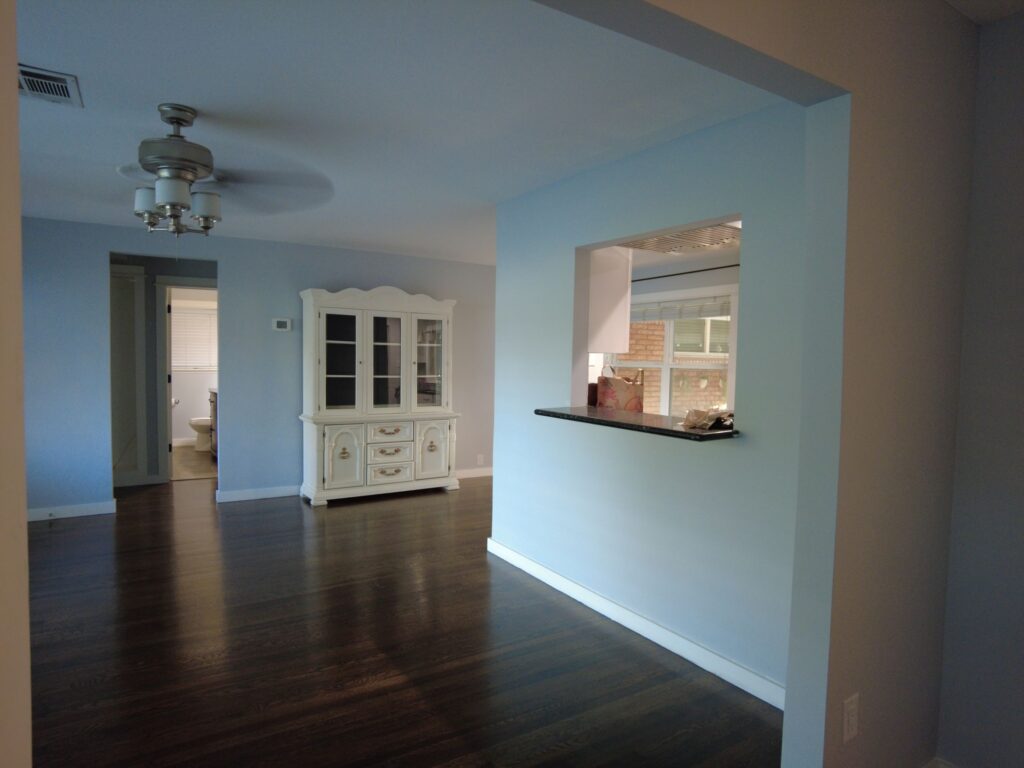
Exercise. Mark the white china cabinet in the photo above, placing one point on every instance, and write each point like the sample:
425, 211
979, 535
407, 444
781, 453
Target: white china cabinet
376, 393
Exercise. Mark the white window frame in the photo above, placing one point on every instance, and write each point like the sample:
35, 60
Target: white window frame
666, 365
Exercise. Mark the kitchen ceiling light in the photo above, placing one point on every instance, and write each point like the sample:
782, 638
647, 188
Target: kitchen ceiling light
177, 163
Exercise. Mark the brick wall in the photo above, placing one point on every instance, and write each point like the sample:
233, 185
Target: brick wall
646, 342
702, 389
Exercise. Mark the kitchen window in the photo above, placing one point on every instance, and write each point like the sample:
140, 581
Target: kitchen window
685, 344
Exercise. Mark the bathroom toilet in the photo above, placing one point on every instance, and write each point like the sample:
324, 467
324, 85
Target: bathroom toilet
201, 426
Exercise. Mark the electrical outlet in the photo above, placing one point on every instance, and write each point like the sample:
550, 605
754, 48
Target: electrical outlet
851, 726
479, 459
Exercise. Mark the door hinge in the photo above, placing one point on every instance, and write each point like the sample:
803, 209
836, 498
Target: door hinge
169, 448
168, 378
168, 309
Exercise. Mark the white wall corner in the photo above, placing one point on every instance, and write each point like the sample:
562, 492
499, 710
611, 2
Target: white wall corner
732, 672
251, 494
73, 510
462, 474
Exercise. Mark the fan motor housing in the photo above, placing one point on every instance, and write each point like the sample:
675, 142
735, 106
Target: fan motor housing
175, 157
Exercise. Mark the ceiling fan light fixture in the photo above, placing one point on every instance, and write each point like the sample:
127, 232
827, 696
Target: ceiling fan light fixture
173, 193
145, 200
205, 209
176, 163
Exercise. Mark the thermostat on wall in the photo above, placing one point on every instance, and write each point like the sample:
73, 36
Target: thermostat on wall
282, 323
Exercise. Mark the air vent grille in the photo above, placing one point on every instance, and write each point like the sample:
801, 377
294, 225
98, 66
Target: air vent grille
50, 86
715, 236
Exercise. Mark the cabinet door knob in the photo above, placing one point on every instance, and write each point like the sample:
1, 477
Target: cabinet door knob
432, 447
344, 454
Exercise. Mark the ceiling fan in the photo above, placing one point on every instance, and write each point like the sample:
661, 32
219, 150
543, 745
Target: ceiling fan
181, 179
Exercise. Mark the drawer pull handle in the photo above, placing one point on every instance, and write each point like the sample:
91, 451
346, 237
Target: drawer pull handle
390, 451
390, 472
386, 431
344, 454
432, 447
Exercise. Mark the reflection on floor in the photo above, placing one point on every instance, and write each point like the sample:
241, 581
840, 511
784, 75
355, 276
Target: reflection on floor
189, 464
380, 632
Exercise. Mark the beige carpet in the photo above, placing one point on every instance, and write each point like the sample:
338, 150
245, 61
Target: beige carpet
189, 464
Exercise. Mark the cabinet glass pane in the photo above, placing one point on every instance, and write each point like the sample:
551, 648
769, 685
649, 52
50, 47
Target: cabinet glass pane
387, 360
387, 330
428, 331
341, 359
428, 390
341, 327
387, 391
341, 392
428, 361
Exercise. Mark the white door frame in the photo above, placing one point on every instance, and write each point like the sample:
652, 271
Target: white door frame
163, 362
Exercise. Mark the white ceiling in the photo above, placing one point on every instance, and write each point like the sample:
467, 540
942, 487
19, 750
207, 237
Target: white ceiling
986, 11
403, 122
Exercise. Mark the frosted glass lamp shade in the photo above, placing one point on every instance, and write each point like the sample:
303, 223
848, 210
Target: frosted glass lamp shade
206, 205
172, 192
145, 200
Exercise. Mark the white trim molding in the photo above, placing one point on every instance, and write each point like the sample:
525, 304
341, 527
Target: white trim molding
462, 474
732, 672
179, 442
73, 510
251, 494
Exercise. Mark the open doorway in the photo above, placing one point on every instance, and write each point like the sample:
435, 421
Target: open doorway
192, 384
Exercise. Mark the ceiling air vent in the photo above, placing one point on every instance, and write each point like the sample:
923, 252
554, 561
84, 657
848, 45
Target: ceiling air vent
49, 86
715, 236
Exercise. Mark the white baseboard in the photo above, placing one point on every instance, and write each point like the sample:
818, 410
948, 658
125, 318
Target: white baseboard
249, 494
73, 510
180, 441
462, 474
727, 669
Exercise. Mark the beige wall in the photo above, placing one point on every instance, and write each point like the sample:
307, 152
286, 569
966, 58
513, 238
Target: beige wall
910, 69
15, 709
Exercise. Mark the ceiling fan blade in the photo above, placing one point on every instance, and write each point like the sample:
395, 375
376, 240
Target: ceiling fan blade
270, 191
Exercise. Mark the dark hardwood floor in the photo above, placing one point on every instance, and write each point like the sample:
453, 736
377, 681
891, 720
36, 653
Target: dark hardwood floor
369, 633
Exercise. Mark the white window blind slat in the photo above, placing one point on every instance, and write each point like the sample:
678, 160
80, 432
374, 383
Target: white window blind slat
194, 339
683, 309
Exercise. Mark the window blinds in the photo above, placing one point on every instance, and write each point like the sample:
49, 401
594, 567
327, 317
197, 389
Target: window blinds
194, 339
683, 309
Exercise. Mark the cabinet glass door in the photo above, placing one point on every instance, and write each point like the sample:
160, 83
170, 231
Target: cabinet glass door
386, 366
430, 371
340, 360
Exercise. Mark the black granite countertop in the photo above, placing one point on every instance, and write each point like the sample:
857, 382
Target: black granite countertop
639, 422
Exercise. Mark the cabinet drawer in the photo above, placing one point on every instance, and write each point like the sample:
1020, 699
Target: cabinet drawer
389, 453
389, 432
378, 474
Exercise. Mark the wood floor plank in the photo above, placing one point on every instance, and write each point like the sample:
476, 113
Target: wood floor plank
372, 632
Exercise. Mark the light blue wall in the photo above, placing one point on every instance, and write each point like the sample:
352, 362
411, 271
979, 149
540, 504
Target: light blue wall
982, 721
697, 537
67, 349
67, 371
